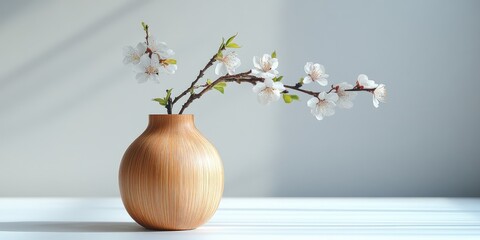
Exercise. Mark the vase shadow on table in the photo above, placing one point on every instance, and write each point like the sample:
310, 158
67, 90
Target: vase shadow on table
52, 226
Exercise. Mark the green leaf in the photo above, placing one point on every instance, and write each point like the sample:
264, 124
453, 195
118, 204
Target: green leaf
161, 101
209, 81
219, 54
231, 39
170, 61
221, 84
274, 54
220, 89
295, 97
277, 79
290, 98
164, 101
301, 80
287, 98
233, 45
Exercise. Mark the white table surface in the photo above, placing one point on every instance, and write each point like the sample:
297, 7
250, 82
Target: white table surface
250, 218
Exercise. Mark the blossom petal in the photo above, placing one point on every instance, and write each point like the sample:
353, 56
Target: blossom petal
344, 103
268, 82
155, 61
276, 95
266, 97
256, 72
322, 68
274, 63
279, 86
375, 102
333, 97
256, 63
317, 113
322, 81
308, 67
155, 78
319, 117
322, 95
144, 61
141, 48
127, 60
141, 77
265, 59
362, 78
329, 109
258, 87
170, 68
220, 69
312, 102
307, 79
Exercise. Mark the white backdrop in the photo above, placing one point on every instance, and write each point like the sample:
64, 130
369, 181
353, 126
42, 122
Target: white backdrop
69, 107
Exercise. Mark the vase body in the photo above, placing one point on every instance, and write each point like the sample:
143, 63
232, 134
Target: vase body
171, 177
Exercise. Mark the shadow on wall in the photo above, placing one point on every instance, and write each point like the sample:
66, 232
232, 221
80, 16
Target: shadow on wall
39, 88
8, 9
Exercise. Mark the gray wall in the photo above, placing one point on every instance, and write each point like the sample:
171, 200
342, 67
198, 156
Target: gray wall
69, 107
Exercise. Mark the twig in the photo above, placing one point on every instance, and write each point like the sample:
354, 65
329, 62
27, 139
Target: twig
296, 87
200, 75
239, 78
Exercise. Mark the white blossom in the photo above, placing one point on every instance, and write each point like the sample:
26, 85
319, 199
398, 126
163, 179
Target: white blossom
168, 68
227, 64
265, 67
148, 69
344, 98
364, 82
323, 105
379, 95
268, 91
133, 55
315, 73
160, 47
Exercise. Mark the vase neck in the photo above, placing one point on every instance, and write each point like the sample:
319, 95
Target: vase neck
171, 121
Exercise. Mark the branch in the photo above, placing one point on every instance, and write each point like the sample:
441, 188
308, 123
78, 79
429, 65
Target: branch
360, 89
297, 87
315, 94
238, 78
245, 77
200, 75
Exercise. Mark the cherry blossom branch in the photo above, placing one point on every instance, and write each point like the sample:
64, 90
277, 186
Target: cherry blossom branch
200, 75
297, 87
245, 77
223, 46
360, 90
239, 78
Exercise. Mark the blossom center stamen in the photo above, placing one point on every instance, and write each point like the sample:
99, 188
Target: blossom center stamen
150, 70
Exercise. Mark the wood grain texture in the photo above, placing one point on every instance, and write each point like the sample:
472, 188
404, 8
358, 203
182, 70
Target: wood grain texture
171, 177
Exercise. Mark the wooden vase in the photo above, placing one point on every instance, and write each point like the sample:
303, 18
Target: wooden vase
171, 177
